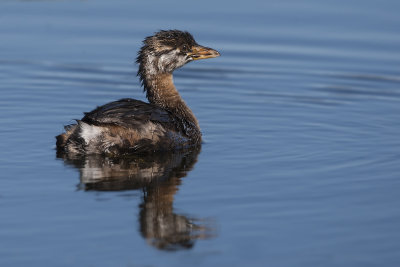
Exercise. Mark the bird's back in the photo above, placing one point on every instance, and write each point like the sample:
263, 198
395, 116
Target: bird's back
127, 126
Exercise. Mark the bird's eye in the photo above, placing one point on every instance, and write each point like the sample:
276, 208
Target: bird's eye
185, 48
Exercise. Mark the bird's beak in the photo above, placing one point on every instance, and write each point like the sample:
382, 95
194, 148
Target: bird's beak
201, 52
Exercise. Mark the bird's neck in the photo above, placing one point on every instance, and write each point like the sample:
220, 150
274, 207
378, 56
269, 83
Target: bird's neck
162, 92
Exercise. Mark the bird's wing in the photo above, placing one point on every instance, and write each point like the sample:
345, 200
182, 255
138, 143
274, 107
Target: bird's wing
128, 113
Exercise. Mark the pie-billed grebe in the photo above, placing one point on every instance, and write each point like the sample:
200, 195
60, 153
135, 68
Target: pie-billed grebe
132, 126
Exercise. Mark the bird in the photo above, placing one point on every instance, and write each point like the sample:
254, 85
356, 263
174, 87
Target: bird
130, 126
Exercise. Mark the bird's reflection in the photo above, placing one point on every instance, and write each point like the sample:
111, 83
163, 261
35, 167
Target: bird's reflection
158, 176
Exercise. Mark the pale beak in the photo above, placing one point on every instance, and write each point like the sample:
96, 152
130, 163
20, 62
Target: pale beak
201, 52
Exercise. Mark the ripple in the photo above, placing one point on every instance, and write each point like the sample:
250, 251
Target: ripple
300, 117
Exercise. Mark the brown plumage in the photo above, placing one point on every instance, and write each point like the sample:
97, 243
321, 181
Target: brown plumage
132, 126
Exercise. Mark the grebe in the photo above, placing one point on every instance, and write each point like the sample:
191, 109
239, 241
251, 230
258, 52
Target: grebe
132, 126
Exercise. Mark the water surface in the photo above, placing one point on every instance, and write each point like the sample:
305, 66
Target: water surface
300, 116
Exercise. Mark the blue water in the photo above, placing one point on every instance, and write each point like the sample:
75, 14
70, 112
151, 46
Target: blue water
300, 116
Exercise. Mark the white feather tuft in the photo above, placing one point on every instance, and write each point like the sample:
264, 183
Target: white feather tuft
89, 132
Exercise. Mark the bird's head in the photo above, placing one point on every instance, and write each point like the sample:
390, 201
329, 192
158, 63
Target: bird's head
166, 51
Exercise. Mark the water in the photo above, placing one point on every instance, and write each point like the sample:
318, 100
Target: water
300, 116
